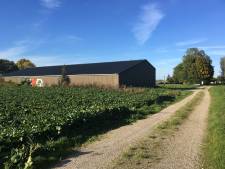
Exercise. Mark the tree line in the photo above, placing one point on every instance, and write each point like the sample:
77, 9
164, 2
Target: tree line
7, 66
196, 67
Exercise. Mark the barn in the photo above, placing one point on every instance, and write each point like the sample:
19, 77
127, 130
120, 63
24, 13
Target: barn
135, 73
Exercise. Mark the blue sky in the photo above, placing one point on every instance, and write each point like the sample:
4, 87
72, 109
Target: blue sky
52, 32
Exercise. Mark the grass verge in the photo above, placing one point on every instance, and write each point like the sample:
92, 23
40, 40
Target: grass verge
214, 148
178, 86
149, 150
181, 114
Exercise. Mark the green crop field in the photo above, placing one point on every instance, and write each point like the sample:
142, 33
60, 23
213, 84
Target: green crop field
38, 125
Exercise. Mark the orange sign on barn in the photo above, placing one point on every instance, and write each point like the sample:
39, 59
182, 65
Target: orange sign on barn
33, 82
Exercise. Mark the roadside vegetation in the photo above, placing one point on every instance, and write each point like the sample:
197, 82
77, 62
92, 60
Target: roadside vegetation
41, 125
148, 151
214, 148
221, 78
179, 86
181, 114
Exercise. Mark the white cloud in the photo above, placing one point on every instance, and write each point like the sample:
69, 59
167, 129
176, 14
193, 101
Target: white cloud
13, 52
190, 42
31, 43
20, 48
212, 47
40, 60
149, 19
52, 60
51, 4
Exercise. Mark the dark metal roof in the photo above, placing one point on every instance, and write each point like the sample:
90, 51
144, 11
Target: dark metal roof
91, 68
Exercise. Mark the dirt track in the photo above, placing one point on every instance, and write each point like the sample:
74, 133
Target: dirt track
100, 153
182, 151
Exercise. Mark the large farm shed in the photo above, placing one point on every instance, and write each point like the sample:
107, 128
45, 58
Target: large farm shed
136, 73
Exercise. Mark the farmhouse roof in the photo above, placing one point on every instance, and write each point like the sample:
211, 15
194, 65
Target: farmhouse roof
90, 68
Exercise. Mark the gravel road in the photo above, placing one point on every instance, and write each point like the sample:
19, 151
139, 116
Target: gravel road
100, 153
182, 151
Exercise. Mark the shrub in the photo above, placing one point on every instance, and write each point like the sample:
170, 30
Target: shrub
25, 82
64, 80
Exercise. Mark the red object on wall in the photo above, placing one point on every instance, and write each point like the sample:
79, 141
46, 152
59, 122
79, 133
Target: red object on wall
33, 82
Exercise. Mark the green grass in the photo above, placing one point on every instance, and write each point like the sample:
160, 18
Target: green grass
214, 149
178, 86
181, 114
42, 125
147, 152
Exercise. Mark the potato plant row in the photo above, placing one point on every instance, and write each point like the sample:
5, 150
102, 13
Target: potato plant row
27, 114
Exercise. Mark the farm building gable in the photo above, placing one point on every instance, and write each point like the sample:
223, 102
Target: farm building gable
114, 74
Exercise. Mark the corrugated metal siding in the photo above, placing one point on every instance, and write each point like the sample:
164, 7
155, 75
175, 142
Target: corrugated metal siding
111, 80
78, 69
141, 75
96, 80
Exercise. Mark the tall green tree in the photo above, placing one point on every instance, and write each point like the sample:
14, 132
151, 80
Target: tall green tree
204, 68
179, 74
7, 66
222, 66
195, 67
24, 64
190, 69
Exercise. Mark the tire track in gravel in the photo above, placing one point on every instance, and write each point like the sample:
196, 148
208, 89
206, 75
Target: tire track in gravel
183, 150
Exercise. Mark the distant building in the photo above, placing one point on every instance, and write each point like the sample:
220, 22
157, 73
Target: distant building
136, 73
